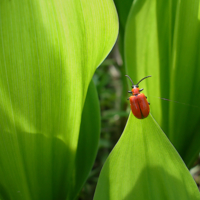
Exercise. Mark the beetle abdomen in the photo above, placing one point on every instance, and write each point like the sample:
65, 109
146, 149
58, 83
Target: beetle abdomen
139, 106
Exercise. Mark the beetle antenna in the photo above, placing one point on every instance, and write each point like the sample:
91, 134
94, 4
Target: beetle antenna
130, 79
143, 79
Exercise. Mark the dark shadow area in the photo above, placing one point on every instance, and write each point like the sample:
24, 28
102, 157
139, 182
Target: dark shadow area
88, 140
4, 193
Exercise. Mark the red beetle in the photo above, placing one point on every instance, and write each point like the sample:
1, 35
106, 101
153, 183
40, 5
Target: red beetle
138, 102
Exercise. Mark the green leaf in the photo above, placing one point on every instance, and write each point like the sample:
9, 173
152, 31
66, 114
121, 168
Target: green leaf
162, 40
145, 165
88, 138
123, 8
49, 51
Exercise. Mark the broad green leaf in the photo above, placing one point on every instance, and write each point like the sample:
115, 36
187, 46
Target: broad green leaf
49, 51
162, 40
145, 166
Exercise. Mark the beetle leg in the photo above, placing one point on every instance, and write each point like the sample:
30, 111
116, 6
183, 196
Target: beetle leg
148, 103
130, 92
128, 99
141, 89
146, 97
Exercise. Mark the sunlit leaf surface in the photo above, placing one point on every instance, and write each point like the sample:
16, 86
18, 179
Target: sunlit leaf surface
145, 166
49, 51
